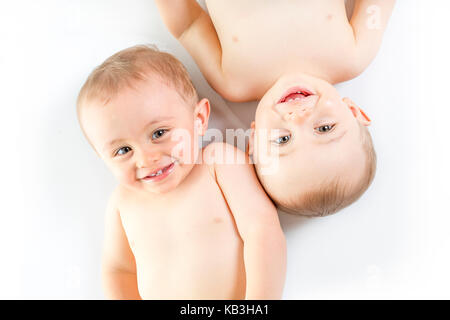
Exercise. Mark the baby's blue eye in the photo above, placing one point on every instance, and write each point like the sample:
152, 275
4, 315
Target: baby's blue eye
158, 133
283, 139
123, 151
325, 128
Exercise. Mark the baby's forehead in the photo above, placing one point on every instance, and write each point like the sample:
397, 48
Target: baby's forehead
129, 114
151, 99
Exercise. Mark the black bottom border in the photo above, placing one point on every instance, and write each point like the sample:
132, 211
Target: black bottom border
218, 309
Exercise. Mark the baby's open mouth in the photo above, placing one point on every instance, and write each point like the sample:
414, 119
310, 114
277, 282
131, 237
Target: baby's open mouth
295, 94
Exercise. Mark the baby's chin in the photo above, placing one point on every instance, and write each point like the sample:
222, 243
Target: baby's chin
145, 187
158, 189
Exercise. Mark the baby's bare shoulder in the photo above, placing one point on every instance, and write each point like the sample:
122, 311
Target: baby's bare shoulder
122, 196
118, 194
219, 153
223, 153
113, 199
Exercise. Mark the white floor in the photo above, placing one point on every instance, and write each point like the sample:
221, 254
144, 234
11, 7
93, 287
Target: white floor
393, 243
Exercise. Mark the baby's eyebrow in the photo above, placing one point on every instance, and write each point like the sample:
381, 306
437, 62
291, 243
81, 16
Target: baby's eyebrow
111, 143
155, 121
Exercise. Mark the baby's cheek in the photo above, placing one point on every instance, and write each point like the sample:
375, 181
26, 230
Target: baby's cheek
184, 150
178, 151
124, 175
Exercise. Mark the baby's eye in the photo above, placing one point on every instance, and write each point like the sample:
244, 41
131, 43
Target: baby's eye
324, 129
122, 151
159, 133
283, 139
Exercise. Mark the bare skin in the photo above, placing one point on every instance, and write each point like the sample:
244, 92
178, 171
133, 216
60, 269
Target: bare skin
244, 47
187, 233
184, 249
296, 49
288, 54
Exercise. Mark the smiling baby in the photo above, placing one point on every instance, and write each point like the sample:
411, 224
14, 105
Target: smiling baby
177, 226
288, 54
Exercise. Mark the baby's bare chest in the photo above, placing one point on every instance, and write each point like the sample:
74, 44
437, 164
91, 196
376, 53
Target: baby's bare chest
262, 40
192, 222
185, 246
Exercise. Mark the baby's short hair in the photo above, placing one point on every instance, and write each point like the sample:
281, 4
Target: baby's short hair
127, 67
334, 195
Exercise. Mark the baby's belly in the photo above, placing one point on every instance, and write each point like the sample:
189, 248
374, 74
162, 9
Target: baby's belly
209, 271
196, 268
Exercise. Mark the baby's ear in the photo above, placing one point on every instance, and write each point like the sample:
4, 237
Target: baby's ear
251, 139
202, 110
358, 113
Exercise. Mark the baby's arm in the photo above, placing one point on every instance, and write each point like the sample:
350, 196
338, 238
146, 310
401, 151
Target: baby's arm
256, 220
192, 26
118, 264
369, 20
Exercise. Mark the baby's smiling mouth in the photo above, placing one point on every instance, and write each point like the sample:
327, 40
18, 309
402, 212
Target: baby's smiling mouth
295, 94
160, 173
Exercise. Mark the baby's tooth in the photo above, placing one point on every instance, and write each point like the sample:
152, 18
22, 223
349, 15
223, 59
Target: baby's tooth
159, 172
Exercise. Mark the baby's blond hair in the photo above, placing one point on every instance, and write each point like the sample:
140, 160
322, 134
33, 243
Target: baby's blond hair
126, 68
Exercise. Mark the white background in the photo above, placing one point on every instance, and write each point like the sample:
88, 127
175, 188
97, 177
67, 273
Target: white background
393, 243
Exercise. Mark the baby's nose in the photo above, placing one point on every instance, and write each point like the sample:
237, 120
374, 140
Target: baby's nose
147, 158
297, 113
